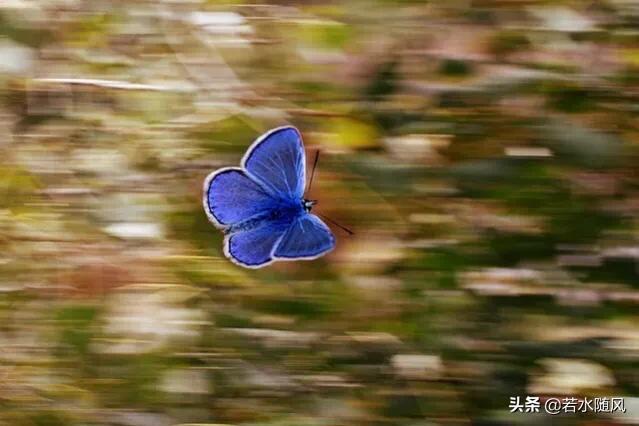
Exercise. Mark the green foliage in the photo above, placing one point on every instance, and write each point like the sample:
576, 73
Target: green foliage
571, 99
455, 68
21, 32
329, 35
76, 327
384, 81
506, 42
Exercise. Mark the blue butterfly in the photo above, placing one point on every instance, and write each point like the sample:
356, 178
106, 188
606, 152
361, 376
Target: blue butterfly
260, 206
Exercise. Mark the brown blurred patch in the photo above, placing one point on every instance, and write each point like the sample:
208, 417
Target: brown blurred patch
93, 279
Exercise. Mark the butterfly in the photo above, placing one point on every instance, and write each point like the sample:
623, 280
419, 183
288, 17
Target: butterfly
260, 206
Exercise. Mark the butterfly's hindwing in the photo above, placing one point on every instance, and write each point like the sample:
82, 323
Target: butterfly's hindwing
307, 237
253, 248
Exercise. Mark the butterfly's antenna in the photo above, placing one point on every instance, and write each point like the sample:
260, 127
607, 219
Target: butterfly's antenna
310, 182
336, 224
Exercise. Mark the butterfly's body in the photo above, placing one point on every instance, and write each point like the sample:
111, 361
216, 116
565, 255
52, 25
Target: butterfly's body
261, 208
284, 213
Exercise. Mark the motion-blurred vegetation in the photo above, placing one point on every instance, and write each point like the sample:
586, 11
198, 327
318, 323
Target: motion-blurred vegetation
485, 152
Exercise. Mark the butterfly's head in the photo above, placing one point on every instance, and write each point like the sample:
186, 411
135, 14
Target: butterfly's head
308, 204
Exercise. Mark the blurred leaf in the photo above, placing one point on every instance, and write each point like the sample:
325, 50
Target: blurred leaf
22, 33
507, 42
384, 82
352, 133
581, 145
325, 34
455, 68
572, 99
17, 187
76, 326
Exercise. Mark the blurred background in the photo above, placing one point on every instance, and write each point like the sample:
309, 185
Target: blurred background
484, 152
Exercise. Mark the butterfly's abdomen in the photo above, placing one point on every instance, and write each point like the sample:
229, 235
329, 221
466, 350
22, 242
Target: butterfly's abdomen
285, 214
246, 225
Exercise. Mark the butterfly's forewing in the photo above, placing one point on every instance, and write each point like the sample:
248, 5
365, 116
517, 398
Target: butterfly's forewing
230, 197
306, 238
277, 160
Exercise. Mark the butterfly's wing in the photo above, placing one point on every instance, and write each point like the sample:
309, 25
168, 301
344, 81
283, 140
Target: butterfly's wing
233, 199
303, 237
231, 196
253, 248
278, 162
306, 238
